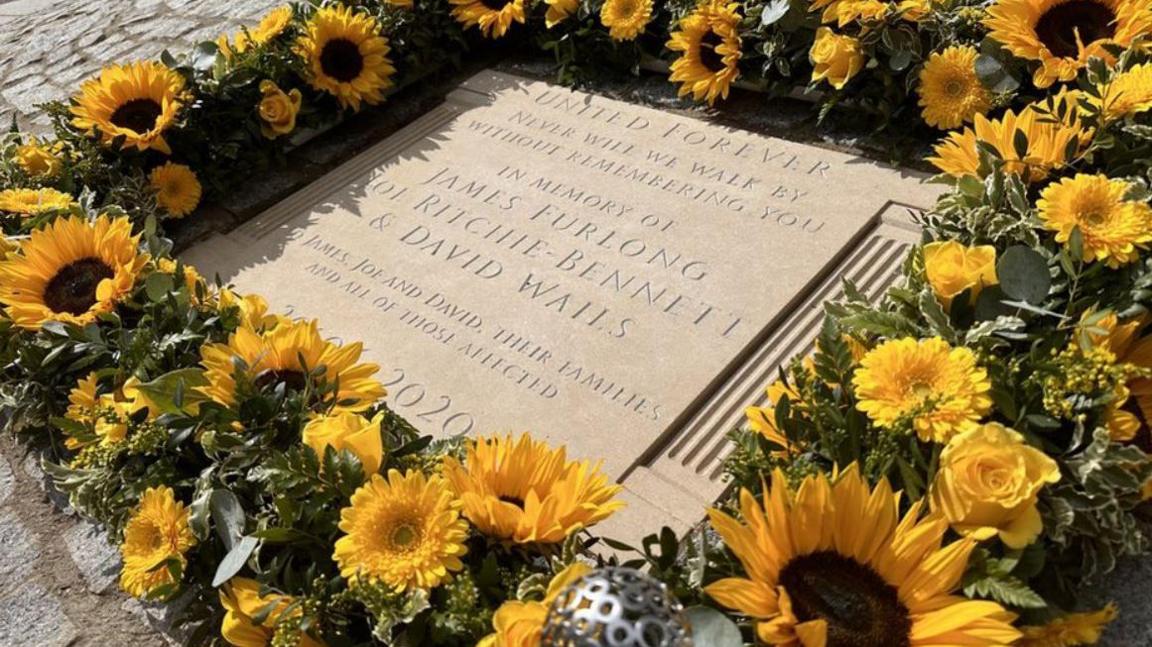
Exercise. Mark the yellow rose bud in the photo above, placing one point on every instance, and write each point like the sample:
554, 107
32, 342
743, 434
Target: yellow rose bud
278, 110
836, 58
988, 482
348, 431
952, 268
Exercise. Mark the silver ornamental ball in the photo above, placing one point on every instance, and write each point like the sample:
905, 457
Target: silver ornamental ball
616, 607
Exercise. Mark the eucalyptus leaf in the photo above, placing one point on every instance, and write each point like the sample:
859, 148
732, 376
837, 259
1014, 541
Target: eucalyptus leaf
713, 628
1023, 274
228, 515
773, 11
234, 560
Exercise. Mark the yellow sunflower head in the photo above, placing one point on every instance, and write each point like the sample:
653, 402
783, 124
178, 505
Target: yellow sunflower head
346, 56
492, 17
763, 419
288, 355
1069, 629
521, 490
243, 604
404, 531
1128, 93
72, 271
1050, 140
33, 202
520, 624
1129, 344
950, 92
156, 534
40, 159
348, 431
708, 40
136, 102
104, 415
1061, 35
833, 563
626, 19
177, 188
1114, 230
937, 389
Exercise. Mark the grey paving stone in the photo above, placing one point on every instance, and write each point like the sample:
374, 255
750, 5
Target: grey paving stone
98, 560
7, 478
18, 551
32, 615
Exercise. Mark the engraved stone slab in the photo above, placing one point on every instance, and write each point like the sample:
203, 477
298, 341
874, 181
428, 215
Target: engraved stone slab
526, 257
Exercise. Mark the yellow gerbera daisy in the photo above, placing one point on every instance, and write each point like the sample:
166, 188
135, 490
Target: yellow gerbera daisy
1129, 93
346, 56
626, 19
708, 40
1049, 141
1063, 34
72, 270
39, 159
519, 624
404, 531
492, 17
177, 189
833, 563
156, 533
1114, 230
950, 92
521, 490
939, 389
31, 202
243, 603
287, 355
137, 102
1069, 630
1127, 343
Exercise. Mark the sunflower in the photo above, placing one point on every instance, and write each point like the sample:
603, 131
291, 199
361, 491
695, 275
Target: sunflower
1114, 230
404, 531
950, 92
559, 10
136, 102
346, 56
832, 563
250, 619
177, 188
522, 491
1069, 630
157, 534
936, 387
844, 12
105, 415
270, 26
709, 42
289, 354
1049, 140
519, 623
763, 419
626, 19
1129, 93
32, 202
493, 17
1063, 34
72, 271
1125, 343
39, 159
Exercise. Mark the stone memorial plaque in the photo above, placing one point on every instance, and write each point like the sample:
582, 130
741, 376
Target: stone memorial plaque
607, 276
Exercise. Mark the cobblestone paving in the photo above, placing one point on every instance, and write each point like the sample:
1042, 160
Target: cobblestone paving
57, 573
48, 46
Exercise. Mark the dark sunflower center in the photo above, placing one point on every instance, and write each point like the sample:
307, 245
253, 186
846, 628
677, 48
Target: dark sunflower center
73, 289
341, 60
290, 378
709, 57
138, 115
516, 501
861, 609
495, 5
1059, 26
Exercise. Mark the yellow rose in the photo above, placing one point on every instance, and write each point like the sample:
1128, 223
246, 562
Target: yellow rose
987, 485
952, 268
348, 431
836, 58
278, 110
519, 624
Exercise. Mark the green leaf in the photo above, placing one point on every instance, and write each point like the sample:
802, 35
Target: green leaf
1023, 274
228, 515
773, 11
157, 286
234, 560
713, 628
162, 390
